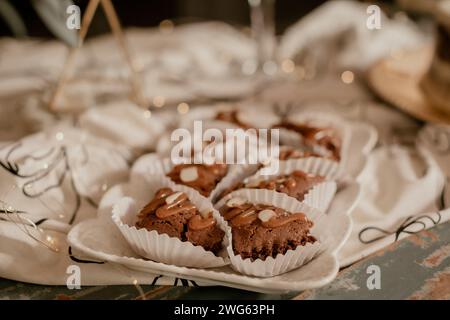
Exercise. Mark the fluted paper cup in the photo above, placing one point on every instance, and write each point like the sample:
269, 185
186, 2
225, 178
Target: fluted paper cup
161, 247
319, 196
292, 259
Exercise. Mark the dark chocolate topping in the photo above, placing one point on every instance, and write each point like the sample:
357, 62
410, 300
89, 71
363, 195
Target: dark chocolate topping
260, 231
248, 213
201, 177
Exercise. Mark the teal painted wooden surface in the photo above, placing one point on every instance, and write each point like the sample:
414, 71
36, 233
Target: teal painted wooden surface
417, 267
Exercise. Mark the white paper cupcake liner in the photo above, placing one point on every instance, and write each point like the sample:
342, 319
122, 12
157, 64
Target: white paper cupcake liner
161, 247
319, 196
236, 173
293, 259
327, 168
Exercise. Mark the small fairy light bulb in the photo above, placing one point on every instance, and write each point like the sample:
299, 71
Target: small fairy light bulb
135, 282
347, 77
183, 108
59, 136
166, 26
61, 216
45, 166
52, 242
288, 66
147, 114
159, 101
104, 187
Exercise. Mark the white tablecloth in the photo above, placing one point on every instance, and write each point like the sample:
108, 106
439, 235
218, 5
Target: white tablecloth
56, 169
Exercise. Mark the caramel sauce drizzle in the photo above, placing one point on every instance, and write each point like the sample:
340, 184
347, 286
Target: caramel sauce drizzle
229, 215
197, 222
245, 218
248, 213
182, 203
281, 221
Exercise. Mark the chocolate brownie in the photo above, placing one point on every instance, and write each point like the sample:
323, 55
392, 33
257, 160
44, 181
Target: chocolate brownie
172, 213
260, 231
201, 177
323, 141
296, 184
231, 117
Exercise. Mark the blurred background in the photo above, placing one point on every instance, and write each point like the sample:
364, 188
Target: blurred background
150, 13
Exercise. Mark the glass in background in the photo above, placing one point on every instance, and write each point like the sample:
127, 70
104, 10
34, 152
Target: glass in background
262, 16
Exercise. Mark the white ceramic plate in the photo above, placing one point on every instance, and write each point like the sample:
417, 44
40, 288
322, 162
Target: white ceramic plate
100, 239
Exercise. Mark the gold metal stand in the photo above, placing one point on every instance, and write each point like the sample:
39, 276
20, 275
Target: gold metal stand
116, 28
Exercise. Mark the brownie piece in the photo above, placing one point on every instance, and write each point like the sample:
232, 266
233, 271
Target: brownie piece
260, 231
172, 213
231, 117
313, 137
296, 184
201, 177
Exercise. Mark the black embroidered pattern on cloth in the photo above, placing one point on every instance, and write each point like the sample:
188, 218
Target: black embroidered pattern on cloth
59, 158
403, 228
153, 282
185, 283
78, 260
